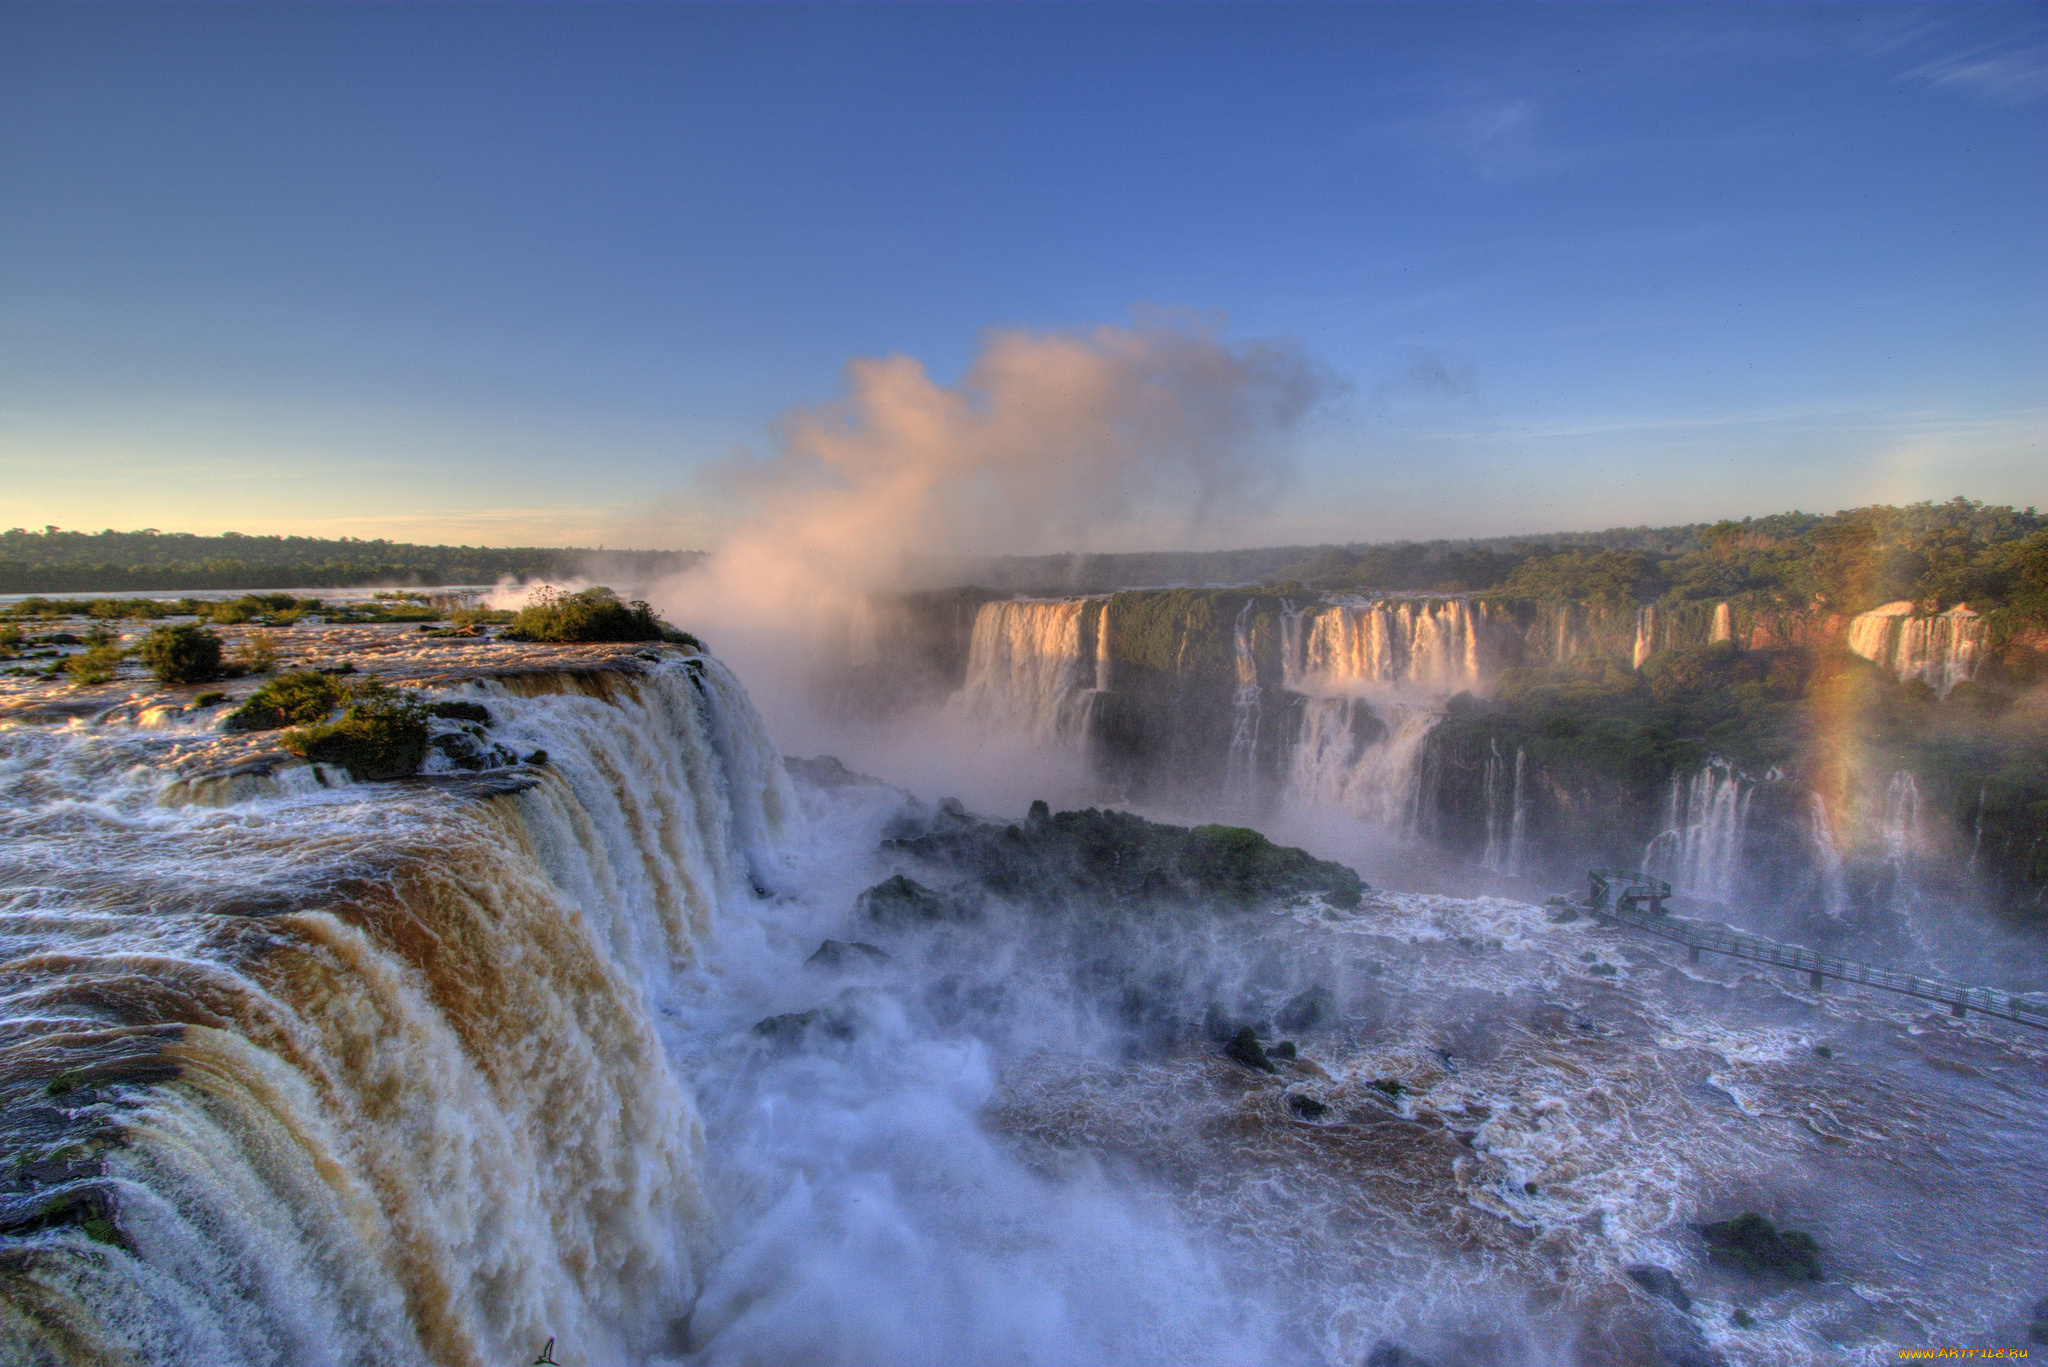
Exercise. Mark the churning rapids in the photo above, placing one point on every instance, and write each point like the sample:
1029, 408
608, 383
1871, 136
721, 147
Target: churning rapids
300, 1071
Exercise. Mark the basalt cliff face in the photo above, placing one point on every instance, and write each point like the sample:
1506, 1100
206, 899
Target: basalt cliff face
1707, 742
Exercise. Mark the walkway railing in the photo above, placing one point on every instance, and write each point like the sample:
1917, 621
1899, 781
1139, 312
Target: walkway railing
1819, 967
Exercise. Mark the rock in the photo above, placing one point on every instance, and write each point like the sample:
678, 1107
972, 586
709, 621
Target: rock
1388, 1086
1751, 1244
1306, 1107
1244, 1048
1284, 1049
789, 1031
899, 901
1662, 1283
840, 955
461, 711
1306, 1012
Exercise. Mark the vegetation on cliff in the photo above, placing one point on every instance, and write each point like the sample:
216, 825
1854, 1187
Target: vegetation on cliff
595, 614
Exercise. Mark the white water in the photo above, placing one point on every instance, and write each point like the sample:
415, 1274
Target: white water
490, 1079
1241, 768
421, 1111
1410, 647
1941, 650
1030, 673
1706, 825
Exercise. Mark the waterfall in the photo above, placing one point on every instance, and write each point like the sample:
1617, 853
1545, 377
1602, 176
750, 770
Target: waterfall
1827, 856
1706, 820
1518, 828
1902, 829
1496, 844
1029, 671
1350, 757
1724, 625
1646, 636
1240, 770
368, 1073
1941, 650
1427, 647
1976, 832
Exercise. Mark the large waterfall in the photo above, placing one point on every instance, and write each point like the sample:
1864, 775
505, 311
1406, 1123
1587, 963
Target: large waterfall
1941, 650
1032, 670
367, 1074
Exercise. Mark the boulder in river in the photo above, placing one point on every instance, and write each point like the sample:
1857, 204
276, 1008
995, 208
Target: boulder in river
1244, 1047
1306, 1012
1751, 1244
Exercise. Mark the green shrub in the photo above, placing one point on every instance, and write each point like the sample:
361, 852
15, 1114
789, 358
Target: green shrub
182, 654
595, 614
480, 617
301, 698
95, 666
381, 737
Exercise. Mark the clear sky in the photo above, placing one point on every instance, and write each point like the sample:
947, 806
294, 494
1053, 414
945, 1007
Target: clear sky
519, 274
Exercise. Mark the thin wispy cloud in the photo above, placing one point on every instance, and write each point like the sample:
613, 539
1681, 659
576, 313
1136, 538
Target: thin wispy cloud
2010, 77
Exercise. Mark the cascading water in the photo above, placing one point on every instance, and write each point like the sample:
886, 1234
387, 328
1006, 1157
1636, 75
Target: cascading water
1941, 650
1240, 770
1029, 671
1827, 856
1426, 647
1706, 819
367, 1074
1646, 636
1507, 810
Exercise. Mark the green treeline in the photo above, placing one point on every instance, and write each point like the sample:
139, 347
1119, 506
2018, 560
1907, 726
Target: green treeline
55, 561
1993, 558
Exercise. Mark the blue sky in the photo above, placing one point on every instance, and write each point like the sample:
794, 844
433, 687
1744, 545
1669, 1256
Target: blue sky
518, 274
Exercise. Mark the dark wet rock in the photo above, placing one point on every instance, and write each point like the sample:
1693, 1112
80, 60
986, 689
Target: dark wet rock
1307, 1012
1389, 1354
793, 1029
901, 901
1306, 1107
1662, 1283
955, 1001
91, 1208
460, 710
840, 955
471, 753
825, 772
1095, 861
1751, 1244
1284, 1049
1244, 1048
538, 759
1388, 1086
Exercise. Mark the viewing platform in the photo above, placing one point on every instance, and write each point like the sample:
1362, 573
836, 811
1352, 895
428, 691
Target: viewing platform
1640, 905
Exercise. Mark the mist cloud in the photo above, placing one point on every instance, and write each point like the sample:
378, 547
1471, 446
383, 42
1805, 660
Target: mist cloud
1047, 441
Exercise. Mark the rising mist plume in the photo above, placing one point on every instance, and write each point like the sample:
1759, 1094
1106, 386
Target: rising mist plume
1048, 440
